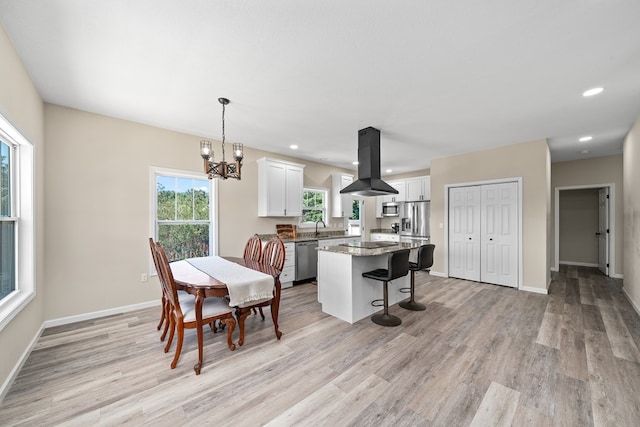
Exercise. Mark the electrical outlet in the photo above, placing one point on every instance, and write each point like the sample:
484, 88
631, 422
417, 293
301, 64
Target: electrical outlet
144, 277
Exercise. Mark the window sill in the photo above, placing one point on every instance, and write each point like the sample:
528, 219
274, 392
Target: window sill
12, 305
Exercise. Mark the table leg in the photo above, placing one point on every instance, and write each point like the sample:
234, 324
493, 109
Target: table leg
241, 314
275, 309
199, 300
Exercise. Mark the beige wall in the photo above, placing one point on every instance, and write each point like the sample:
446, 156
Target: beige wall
631, 201
578, 220
529, 160
21, 105
588, 172
98, 209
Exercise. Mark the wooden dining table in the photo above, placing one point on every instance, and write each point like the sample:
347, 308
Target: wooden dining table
202, 285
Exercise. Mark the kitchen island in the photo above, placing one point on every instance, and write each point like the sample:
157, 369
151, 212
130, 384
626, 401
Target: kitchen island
342, 290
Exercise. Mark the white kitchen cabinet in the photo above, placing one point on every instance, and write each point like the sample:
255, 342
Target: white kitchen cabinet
340, 203
385, 237
279, 187
418, 189
379, 200
400, 197
288, 274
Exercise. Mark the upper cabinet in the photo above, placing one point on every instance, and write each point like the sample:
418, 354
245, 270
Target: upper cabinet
418, 188
280, 186
340, 203
409, 190
400, 197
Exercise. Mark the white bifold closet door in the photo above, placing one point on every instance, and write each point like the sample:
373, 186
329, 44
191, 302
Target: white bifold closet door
499, 234
464, 232
483, 233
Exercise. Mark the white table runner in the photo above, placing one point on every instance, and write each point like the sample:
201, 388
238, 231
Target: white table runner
244, 284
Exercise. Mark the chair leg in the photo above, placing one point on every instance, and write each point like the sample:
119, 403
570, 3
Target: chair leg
180, 328
162, 317
412, 304
261, 312
167, 315
384, 318
171, 323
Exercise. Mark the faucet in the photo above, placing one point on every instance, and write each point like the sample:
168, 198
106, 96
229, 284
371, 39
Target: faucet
325, 226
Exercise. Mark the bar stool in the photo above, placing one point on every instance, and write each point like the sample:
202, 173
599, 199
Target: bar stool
423, 262
398, 267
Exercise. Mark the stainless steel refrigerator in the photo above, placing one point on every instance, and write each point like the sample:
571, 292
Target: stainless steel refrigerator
415, 219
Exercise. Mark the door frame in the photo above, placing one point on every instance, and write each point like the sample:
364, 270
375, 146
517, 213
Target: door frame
518, 180
612, 224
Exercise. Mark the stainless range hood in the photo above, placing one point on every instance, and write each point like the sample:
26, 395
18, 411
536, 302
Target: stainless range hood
369, 182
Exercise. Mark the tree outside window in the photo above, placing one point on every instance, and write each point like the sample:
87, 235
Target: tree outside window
7, 225
314, 206
183, 216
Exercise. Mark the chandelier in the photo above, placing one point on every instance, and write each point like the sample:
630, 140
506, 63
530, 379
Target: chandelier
221, 169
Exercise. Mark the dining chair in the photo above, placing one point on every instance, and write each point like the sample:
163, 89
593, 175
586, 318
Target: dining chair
273, 255
182, 314
253, 248
182, 295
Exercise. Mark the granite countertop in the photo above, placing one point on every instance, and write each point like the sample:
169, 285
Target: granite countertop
308, 236
382, 231
372, 252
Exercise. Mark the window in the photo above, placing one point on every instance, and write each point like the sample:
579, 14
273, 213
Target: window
183, 220
314, 206
17, 255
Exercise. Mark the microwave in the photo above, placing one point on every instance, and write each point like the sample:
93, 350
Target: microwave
390, 209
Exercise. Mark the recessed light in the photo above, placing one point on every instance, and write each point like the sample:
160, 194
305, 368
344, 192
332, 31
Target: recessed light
356, 162
389, 170
584, 152
585, 138
293, 146
593, 91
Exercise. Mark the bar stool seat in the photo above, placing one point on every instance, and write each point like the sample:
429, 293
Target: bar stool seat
398, 266
423, 262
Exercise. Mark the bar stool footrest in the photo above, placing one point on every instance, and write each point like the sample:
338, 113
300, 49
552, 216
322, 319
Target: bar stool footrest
405, 290
378, 302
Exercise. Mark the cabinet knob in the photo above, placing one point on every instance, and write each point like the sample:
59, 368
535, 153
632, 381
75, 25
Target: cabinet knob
469, 238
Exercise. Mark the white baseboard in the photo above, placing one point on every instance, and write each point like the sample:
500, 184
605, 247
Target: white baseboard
555, 269
4, 389
580, 264
438, 274
103, 313
534, 290
618, 276
633, 304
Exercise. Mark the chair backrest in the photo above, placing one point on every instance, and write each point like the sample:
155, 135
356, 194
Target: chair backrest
398, 264
253, 248
425, 256
166, 278
274, 253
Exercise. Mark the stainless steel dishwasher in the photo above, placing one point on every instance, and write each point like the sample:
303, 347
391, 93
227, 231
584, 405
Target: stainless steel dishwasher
306, 260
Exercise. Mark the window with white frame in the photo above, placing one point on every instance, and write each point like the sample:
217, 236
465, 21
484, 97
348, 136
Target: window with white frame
183, 214
314, 206
17, 218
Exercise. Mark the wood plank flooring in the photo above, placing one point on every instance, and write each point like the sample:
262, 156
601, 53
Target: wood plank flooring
479, 355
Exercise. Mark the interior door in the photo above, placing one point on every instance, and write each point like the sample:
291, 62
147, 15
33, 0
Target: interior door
603, 230
464, 232
499, 234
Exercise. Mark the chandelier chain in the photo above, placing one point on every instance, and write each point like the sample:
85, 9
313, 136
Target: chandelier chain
223, 158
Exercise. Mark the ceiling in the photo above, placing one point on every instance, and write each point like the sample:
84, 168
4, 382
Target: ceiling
436, 77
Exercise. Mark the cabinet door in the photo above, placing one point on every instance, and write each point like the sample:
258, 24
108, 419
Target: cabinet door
400, 186
341, 203
426, 188
464, 232
414, 189
293, 191
276, 190
379, 200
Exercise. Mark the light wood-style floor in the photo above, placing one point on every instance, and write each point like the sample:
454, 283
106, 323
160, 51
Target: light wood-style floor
480, 355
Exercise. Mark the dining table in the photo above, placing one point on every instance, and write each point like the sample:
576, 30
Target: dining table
204, 283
